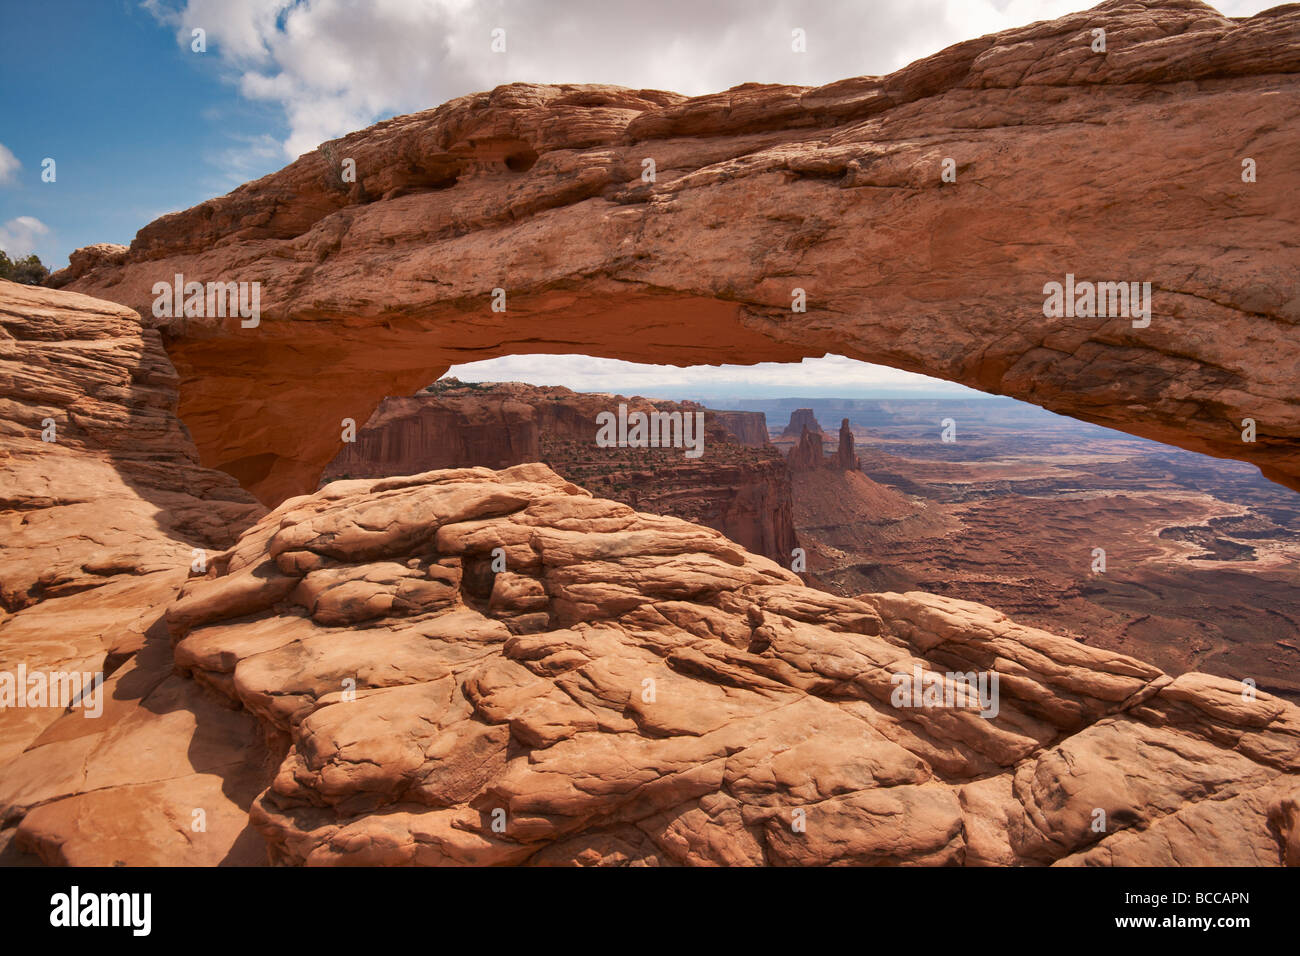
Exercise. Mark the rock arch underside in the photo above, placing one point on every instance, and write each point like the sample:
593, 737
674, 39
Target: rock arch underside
521, 695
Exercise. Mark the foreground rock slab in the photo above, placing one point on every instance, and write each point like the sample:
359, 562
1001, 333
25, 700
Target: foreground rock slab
629, 689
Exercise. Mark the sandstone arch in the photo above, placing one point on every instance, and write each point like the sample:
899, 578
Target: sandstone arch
1117, 167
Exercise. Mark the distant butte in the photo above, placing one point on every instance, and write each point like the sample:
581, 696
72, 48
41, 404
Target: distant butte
800, 419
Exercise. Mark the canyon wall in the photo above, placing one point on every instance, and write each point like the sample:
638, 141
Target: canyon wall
1122, 166
737, 489
747, 428
406, 436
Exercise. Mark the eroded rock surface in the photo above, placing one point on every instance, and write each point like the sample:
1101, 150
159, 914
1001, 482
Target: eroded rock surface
104, 508
738, 485
100, 477
1117, 167
632, 689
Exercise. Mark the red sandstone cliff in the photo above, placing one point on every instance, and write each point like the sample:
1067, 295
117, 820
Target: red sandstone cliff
741, 491
800, 419
747, 428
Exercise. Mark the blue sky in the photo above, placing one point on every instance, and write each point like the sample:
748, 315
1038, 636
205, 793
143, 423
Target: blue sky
137, 126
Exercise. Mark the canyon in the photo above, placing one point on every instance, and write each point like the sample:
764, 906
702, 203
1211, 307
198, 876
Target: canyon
1201, 566
1199, 563
739, 487
497, 665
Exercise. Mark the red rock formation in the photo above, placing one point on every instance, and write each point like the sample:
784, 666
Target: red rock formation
743, 494
808, 454
634, 689
406, 436
631, 688
1134, 156
801, 420
101, 479
101, 526
746, 428
624, 689
844, 458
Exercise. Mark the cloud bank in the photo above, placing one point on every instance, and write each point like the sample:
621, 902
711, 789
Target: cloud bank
19, 237
334, 66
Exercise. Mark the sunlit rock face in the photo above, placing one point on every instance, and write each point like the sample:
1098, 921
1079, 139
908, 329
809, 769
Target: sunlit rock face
1065, 165
627, 688
104, 512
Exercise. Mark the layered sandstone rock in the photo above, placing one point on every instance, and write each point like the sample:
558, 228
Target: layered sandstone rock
454, 424
747, 428
102, 523
845, 459
419, 433
1135, 158
801, 420
473, 666
744, 493
101, 478
637, 690
808, 453
734, 488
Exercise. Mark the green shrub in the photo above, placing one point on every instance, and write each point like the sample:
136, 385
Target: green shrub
28, 271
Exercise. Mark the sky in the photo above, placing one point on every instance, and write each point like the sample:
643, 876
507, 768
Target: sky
833, 376
139, 123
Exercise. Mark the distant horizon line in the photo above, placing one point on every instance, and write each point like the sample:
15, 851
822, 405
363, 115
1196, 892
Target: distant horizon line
693, 393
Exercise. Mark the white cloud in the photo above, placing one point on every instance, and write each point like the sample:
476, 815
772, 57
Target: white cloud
246, 158
9, 165
334, 66
18, 237
832, 374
